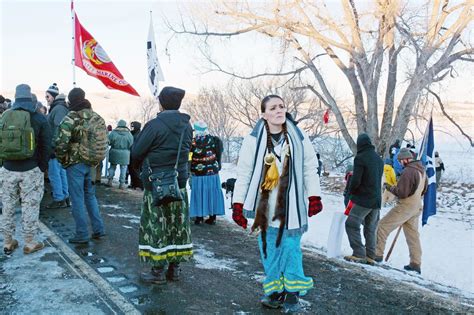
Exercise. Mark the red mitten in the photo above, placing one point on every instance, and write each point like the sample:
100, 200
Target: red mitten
237, 216
315, 205
349, 207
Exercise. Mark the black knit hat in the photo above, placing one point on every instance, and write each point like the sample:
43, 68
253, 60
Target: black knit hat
53, 90
171, 97
76, 96
2, 99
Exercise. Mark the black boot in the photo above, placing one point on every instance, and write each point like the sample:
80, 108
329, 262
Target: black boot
292, 303
173, 272
198, 220
155, 276
275, 300
211, 220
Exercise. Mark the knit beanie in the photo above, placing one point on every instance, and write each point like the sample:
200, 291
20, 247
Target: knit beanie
76, 96
170, 97
2, 99
22, 91
404, 153
53, 90
200, 128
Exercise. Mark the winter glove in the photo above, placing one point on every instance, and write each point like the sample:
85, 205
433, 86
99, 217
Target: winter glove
349, 207
386, 186
315, 205
237, 216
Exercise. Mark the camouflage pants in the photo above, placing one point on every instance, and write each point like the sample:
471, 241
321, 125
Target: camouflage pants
164, 235
29, 186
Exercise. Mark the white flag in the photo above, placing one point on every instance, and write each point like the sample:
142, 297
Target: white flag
154, 70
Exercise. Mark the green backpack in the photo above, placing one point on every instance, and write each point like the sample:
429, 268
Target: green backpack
17, 137
92, 134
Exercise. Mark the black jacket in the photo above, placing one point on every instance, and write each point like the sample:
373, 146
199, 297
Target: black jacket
159, 140
42, 139
365, 185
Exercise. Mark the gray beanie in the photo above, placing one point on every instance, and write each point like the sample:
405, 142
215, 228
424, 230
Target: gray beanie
23, 91
404, 153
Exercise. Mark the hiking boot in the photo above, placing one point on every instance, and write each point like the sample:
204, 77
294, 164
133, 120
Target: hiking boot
355, 259
109, 183
211, 220
121, 186
33, 247
292, 303
77, 240
198, 220
97, 236
9, 247
155, 276
275, 300
56, 204
67, 201
173, 272
413, 267
370, 261
378, 259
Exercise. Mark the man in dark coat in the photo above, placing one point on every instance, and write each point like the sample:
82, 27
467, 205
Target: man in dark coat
365, 191
164, 235
135, 181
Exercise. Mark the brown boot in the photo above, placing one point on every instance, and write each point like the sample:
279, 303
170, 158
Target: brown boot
32, 245
10, 246
173, 272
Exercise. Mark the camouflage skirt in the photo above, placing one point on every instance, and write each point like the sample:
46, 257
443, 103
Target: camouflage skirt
165, 234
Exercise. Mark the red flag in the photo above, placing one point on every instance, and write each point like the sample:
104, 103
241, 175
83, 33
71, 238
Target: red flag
92, 58
326, 116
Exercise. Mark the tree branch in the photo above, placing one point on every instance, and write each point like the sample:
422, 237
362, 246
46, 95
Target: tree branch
441, 105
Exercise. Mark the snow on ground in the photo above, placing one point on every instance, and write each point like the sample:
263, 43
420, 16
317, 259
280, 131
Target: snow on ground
447, 239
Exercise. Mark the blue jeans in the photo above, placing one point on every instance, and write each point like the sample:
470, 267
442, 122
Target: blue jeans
57, 180
123, 172
82, 194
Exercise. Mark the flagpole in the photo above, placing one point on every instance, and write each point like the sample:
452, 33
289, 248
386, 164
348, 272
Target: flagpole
151, 22
73, 61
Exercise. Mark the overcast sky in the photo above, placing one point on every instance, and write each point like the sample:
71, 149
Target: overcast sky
36, 47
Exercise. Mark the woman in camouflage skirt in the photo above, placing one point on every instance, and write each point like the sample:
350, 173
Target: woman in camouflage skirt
164, 235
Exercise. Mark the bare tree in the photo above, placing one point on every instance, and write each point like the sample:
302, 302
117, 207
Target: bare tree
149, 107
366, 45
212, 107
245, 97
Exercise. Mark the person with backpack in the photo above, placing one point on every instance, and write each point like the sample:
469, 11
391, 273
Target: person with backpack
81, 143
56, 173
120, 141
163, 145
25, 147
206, 193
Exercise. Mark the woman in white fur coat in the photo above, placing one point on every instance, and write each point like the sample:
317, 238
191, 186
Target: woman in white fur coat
277, 179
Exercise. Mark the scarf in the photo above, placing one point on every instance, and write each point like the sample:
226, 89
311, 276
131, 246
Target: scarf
296, 221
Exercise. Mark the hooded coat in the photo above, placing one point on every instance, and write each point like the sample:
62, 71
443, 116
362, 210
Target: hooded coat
365, 186
120, 140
